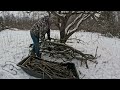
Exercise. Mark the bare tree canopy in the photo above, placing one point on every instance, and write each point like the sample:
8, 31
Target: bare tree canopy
64, 16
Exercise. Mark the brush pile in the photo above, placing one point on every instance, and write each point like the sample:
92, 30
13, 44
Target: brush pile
66, 52
52, 70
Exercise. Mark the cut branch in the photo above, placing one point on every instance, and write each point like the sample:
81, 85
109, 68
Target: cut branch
67, 53
73, 49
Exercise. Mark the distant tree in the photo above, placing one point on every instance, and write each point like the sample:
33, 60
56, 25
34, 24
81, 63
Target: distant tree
107, 19
1, 24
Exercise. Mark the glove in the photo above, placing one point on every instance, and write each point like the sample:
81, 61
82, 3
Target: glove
31, 45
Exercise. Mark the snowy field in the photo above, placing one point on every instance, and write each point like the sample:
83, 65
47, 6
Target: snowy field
14, 46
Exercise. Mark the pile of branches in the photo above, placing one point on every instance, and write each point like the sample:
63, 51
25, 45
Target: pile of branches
66, 52
51, 69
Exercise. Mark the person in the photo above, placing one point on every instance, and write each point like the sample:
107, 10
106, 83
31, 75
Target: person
37, 32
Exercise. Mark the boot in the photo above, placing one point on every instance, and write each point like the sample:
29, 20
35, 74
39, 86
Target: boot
39, 56
38, 60
32, 54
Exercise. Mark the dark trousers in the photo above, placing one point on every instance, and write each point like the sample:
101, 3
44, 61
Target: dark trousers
36, 47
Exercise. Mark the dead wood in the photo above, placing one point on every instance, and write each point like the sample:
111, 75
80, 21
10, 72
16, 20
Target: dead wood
67, 52
51, 69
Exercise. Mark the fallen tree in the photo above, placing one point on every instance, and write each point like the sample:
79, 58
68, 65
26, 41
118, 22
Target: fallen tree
66, 52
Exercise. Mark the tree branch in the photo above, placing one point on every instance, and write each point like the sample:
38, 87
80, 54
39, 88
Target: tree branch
65, 45
49, 13
57, 15
71, 24
78, 24
57, 24
80, 21
68, 14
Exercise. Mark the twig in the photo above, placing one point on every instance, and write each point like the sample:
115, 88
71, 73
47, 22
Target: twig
45, 72
64, 45
82, 77
96, 52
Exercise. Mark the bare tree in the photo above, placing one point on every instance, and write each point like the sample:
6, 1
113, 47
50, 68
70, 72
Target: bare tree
66, 30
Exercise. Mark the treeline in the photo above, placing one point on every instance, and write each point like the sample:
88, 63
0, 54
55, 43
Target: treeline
10, 21
105, 24
108, 24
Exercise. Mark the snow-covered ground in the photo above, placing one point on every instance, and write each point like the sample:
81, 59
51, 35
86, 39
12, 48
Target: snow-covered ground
14, 45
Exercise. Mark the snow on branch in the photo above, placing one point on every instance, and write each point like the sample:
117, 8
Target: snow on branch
80, 21
71, 24
81, 15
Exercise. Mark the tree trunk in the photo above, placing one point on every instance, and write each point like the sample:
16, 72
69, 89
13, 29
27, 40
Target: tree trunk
62, 32
62, 35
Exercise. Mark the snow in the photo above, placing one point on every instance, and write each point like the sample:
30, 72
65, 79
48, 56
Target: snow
14, 46
108, 66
